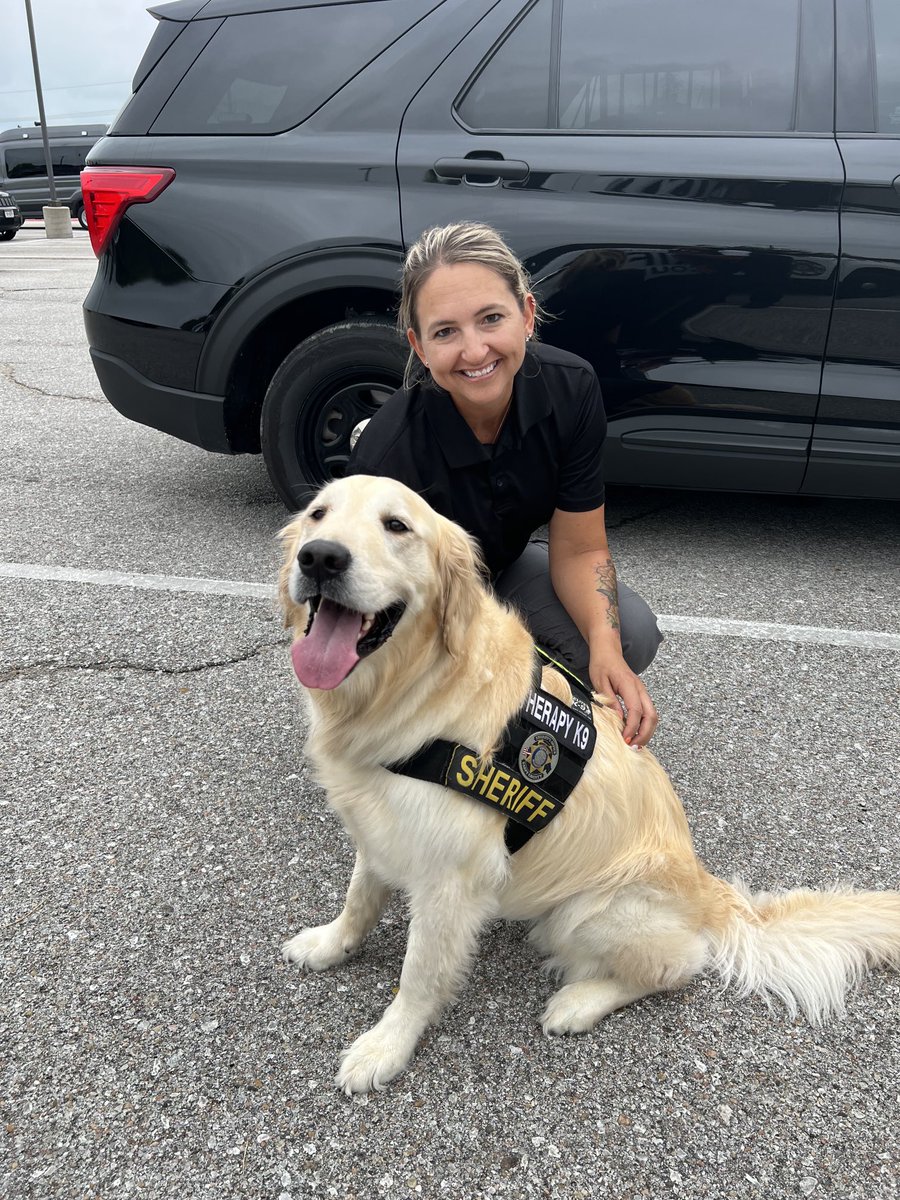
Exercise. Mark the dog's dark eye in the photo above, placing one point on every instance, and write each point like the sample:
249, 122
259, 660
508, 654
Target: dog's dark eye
317, 514
395, 525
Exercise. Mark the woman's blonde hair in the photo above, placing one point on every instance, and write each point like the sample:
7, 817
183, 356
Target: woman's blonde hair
447, 246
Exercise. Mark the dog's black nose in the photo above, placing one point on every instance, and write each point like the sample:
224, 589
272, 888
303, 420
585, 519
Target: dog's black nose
321, 560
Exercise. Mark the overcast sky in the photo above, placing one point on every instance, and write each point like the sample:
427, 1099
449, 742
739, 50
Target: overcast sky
87, 51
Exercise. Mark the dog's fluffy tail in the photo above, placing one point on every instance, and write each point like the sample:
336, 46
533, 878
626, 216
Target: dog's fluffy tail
802, 947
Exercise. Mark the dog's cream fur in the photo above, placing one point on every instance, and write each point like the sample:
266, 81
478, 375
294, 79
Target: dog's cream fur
619, 902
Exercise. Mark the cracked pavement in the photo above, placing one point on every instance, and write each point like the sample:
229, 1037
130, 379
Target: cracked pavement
52, 666
162, 835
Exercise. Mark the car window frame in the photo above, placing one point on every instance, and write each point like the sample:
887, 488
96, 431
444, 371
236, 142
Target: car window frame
175, 123
856, 77
813, 84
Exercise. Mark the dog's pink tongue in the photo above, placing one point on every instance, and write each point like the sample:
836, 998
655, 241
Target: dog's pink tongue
325, 657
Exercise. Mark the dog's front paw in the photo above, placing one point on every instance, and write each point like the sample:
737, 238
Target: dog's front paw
576, 1008
373, 1060
319, 948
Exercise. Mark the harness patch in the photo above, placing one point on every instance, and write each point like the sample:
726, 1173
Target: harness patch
538, 756
575, 732
531, 775
502, 787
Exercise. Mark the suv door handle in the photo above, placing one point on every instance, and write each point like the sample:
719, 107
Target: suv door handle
491, 170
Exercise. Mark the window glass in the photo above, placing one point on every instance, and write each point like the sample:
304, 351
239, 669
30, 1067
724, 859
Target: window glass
512, 90
680, 65
67, 160
266, 72
25, 164
886, 23
22, 163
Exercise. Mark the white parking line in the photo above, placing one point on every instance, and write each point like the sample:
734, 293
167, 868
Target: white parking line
717, 626
769, 631
153, 583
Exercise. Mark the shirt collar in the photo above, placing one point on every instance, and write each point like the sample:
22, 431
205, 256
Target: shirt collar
460, 446
458, 443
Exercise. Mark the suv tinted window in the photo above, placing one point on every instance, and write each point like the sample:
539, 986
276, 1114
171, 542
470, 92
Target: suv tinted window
266, 72
512, 91
886, 22
645, 65
687, 65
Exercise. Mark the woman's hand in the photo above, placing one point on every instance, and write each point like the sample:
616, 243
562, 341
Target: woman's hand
611, 675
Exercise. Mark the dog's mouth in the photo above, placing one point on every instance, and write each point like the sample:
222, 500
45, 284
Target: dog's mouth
337, 638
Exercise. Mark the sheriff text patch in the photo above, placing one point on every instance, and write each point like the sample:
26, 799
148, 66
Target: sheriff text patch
502, 788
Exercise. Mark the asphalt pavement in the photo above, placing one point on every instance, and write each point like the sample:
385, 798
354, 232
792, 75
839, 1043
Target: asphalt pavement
162, 836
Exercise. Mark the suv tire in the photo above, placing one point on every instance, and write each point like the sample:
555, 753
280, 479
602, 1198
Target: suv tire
80, 216
321, 391
7, 235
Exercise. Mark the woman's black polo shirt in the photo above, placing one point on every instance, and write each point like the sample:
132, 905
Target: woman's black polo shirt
547, 456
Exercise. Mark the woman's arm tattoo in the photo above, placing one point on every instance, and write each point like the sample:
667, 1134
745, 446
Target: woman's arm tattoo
605, 575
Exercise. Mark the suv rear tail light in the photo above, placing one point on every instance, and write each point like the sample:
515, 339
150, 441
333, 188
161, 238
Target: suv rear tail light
108, 191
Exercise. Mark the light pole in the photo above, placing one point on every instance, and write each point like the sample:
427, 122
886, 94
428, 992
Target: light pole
57, 218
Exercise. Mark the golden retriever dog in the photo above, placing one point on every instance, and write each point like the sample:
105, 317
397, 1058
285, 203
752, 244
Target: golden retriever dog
398, 642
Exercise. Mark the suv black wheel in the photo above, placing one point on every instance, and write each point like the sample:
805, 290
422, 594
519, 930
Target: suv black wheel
7, 235
80, 217
323, 389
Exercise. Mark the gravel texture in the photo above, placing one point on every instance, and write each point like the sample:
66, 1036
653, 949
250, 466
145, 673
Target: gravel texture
163, 837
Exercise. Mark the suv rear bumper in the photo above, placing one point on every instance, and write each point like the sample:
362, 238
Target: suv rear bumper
192, 416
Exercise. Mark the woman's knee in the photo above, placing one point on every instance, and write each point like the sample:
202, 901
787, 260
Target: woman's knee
526, 584
639, 630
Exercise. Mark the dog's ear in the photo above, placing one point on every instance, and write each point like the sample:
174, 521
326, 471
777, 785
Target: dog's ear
461, 585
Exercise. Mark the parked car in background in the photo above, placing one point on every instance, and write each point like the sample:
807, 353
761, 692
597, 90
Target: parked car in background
11, 218
706, 193
23, 165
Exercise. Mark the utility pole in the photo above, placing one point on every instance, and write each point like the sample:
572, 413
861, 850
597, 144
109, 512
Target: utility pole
56, 223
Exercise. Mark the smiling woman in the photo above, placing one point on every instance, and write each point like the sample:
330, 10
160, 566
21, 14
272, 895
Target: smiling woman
504, 436
473, 341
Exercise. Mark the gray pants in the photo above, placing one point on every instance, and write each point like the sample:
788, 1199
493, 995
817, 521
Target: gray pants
526, 585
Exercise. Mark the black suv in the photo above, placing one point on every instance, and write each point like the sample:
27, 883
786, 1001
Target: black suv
706, 193
11, 219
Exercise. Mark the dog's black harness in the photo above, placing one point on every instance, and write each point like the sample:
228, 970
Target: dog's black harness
542, 756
